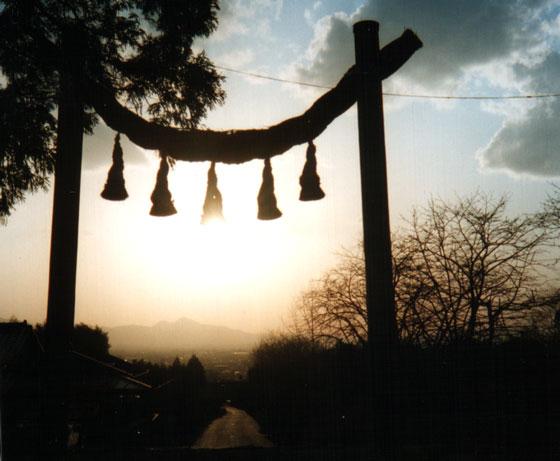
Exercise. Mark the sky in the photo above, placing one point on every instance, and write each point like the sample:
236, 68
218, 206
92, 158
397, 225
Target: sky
245, 273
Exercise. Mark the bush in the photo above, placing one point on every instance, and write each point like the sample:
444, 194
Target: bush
471, 397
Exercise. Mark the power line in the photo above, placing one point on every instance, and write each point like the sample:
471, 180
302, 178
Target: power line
477, 97
275, 79
398, 95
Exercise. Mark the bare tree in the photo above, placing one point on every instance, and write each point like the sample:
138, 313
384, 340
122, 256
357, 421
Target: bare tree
333, 309
463, 270
550, 214
481, 266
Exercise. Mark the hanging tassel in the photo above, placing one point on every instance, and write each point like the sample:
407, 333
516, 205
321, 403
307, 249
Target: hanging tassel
309, 180
161, 197
212, 208
114, 187
266, 198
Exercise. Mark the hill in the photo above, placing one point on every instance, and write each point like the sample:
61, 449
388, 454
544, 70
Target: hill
183, 334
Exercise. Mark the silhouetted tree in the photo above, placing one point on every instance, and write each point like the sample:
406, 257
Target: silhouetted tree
463, 270
550, 213
92, 341
304, 392
477, 269
138, 50
278, 353
334, 308
176, 364
195, 372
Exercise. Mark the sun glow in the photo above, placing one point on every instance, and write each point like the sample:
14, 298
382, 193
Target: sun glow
239, 270
217, 255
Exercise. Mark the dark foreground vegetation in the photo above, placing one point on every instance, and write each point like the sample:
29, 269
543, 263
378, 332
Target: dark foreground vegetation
89, 400
475, 372
476, 369
185, 403
180, 402
471, 398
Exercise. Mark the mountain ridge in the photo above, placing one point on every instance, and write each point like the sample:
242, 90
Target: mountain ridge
184, 333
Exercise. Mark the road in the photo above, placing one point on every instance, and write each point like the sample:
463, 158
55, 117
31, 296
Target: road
235, 429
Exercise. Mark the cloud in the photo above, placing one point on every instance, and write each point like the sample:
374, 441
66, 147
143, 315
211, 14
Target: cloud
236, 58
509, 46
98, 149
309, 13
237, 17
330, 52
456, 35
530, 144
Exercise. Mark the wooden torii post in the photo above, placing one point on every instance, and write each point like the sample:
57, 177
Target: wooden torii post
382, 327
66, 201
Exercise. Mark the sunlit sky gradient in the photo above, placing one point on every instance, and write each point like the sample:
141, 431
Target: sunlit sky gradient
136, 269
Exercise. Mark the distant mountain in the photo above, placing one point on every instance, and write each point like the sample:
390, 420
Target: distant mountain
183, 334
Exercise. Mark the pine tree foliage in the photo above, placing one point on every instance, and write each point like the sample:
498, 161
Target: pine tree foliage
195, 372
139, 50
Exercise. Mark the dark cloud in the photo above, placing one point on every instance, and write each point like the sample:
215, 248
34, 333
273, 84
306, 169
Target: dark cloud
457, 35
507, 44
530, 144
461, 34
330, 54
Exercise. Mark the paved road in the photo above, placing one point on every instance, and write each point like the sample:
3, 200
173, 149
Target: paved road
235, 429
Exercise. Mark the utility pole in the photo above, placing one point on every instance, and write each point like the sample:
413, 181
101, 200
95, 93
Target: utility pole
66, 203
382, 330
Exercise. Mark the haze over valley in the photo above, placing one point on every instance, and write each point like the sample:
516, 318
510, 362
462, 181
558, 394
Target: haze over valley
183, 334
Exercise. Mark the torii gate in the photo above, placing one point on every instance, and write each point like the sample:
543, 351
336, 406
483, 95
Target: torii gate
361, 83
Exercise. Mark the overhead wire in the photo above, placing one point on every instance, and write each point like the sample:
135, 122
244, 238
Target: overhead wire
275, 79
394, 94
